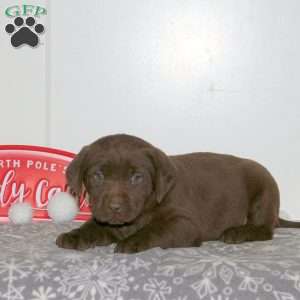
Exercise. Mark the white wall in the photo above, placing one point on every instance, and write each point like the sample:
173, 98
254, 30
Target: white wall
22, 86
188, 76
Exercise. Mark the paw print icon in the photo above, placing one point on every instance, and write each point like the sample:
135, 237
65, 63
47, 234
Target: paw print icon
24, 32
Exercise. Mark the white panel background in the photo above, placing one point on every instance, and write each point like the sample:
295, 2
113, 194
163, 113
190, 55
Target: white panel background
189, 75
22, 85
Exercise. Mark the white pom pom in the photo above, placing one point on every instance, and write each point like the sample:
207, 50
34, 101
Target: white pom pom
20, 213
62, 207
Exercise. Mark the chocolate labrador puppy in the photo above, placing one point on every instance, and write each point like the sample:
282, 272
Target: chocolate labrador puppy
141, 198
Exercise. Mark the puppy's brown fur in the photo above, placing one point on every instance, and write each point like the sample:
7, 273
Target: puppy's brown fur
141, 198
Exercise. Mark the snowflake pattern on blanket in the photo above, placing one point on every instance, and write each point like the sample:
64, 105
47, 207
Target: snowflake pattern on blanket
33, 268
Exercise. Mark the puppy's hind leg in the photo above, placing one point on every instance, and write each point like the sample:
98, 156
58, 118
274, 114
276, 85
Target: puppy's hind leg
261, 220
246, 233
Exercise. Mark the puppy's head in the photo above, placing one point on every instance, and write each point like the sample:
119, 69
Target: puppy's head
121, 174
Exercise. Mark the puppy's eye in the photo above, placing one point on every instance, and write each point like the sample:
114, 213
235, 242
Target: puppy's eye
98, 176
136, 178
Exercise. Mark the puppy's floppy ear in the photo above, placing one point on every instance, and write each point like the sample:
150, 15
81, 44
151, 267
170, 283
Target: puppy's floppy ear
74, 172
165, 172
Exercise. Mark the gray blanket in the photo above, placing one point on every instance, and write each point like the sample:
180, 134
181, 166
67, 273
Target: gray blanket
32, 267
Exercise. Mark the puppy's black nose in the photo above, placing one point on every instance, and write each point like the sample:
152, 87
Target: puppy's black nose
116, 207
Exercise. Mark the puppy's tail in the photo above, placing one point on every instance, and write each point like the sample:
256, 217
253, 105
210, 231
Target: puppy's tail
288, 224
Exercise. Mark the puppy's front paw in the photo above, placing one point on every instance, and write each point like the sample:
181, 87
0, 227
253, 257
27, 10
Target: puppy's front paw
74, 240
132, 244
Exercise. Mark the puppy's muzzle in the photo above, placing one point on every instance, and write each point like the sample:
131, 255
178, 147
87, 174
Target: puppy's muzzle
115, 205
